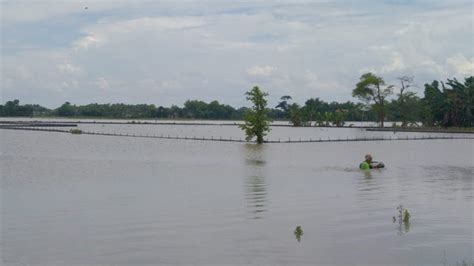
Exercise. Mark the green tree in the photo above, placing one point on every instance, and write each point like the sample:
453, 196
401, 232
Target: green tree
434, 105
283, 105
339, 117
407, 101
257, 123
295, 115
327, 118
461, 98
66, 110
450, 105
319, 119
372, 88
311, 108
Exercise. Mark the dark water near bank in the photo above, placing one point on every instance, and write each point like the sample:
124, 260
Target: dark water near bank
78, 199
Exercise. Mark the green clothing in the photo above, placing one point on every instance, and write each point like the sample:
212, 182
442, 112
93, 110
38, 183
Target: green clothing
364, 166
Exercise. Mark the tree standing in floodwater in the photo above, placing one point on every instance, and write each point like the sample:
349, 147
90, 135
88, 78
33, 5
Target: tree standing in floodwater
372, 88
256, 119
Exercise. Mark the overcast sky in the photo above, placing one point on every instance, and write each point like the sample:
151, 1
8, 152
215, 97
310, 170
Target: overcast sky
165, 52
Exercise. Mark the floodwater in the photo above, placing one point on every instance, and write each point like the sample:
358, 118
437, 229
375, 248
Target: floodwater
83, 199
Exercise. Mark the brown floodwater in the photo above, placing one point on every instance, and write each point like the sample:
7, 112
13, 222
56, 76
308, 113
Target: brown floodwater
81, 199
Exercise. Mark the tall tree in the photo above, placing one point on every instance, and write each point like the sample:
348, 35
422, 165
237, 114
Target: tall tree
461, 96
372, 88
295, 114
257, 122
435, 105
311, 108
283, 104
450, 105
406, 101
292, 111
66, 110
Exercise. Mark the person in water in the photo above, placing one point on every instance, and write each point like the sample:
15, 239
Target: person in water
370, 164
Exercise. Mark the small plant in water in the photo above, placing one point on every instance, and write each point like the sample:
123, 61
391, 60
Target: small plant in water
75, 131
403, 215
406, 216
403, 219
298, 233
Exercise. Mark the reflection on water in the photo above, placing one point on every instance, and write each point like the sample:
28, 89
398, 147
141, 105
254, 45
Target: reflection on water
255, 186
367, 174
368, 184
403, 227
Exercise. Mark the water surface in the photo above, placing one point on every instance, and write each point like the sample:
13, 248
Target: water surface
81, 199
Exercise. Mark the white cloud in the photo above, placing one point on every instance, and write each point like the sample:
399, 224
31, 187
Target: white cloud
91, 40
315, 82
102, 32
169, 51
170, 84
102, 83
260, 70
462, 66
69, 69
69, 84
21, 11
396, 63
433, 68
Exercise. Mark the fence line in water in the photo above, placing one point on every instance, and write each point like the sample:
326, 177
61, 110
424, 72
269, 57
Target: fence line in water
230, 139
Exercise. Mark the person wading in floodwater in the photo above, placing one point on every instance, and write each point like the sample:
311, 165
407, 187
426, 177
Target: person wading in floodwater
369, 164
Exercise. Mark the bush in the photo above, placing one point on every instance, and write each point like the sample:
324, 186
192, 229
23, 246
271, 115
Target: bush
75, 131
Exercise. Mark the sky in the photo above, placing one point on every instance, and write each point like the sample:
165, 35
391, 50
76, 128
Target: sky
166, 52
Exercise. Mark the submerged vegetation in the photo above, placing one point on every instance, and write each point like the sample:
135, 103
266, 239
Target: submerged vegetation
403, 214
444, 104
403, 219
75, 131
298, 233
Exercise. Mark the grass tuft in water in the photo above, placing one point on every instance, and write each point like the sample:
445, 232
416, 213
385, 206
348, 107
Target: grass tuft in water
298, 233
406, 216
75, 131
403, 219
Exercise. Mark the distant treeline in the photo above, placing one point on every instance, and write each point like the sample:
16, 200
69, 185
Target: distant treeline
192, 109
448, 103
